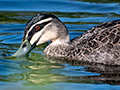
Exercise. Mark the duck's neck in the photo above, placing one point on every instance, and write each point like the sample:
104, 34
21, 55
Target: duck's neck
65, 40
59, 47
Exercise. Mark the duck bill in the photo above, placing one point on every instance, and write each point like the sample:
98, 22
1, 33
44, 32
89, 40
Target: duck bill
24, 49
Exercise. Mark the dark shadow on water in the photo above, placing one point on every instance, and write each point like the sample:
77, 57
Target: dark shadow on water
108, 74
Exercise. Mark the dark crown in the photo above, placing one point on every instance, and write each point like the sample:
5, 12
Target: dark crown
37, 18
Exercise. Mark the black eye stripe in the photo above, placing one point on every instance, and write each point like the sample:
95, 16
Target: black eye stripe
41, 25
33, 31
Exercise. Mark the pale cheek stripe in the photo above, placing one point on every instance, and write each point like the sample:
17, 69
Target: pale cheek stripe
40, 22
36, 36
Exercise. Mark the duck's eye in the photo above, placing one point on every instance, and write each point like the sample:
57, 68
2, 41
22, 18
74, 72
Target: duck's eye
37, 27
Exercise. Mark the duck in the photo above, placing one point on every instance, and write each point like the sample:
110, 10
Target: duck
100, 44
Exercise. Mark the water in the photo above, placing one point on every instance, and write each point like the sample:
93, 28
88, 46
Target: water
36, 72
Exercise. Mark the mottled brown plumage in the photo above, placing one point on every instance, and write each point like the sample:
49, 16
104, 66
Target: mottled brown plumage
100, 44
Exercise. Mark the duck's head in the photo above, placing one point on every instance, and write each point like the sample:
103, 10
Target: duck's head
40, 29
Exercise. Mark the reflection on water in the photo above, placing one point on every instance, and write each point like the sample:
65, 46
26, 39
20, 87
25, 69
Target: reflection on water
39, 72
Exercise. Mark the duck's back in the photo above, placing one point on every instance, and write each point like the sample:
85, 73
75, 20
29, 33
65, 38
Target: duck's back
100, 44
